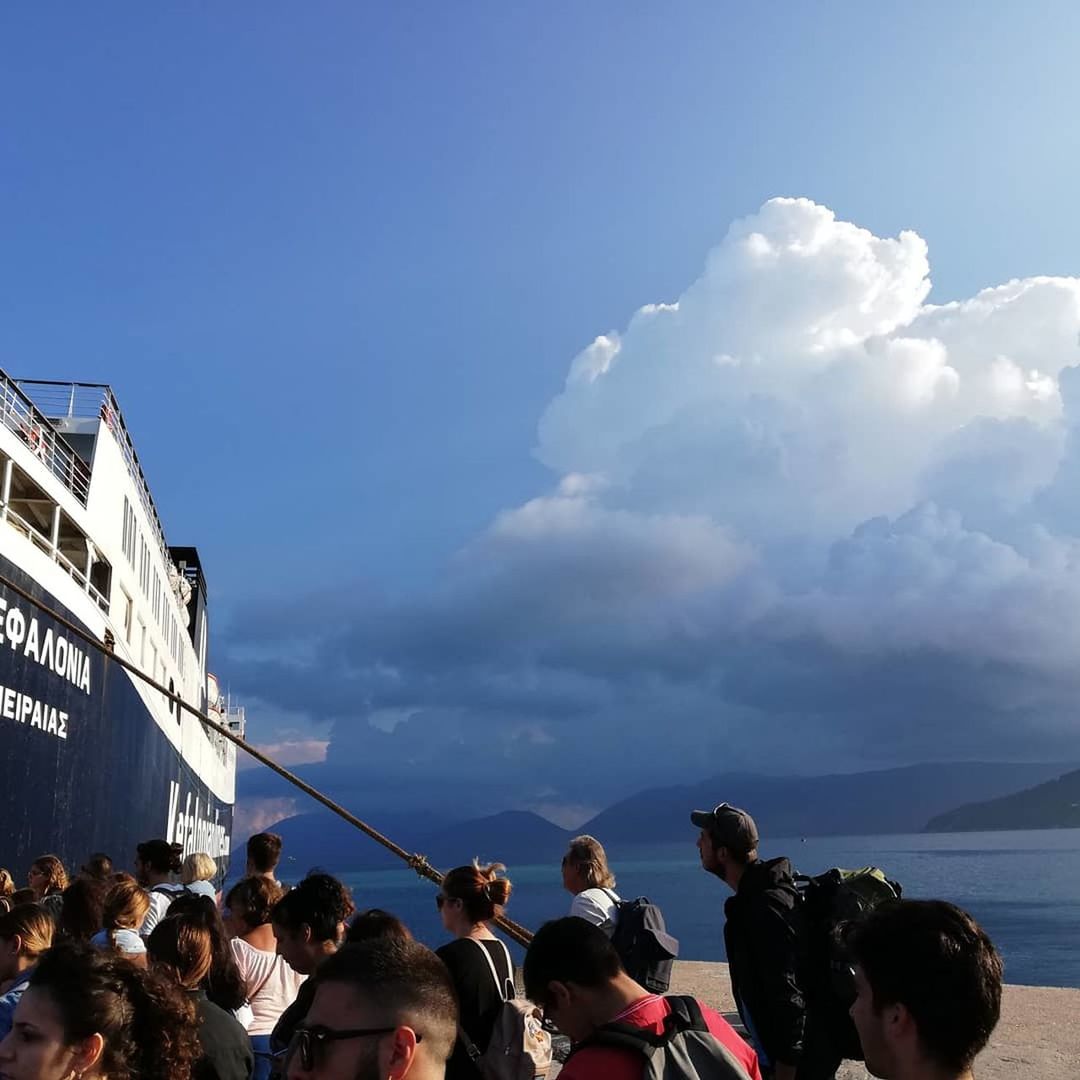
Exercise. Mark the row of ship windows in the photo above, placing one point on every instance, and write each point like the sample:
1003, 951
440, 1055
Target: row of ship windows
153, 589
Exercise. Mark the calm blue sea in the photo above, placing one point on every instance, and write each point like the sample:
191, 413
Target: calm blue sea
1023, 887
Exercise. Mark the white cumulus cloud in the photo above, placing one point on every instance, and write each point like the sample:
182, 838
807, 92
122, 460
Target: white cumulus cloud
795, 498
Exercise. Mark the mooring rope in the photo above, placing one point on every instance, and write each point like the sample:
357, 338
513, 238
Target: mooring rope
414, 861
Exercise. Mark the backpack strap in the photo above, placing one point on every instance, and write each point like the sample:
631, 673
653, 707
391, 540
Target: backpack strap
685, 1015
500, 984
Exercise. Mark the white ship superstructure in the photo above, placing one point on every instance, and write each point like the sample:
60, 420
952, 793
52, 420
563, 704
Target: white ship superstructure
78, 521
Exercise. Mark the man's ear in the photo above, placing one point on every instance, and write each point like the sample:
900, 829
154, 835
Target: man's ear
559, 994
402, 1053
898, 1023
305, 934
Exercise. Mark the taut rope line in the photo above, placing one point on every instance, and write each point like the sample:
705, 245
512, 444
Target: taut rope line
416, 862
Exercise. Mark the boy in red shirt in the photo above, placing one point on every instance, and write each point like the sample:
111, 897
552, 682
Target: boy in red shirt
572, 970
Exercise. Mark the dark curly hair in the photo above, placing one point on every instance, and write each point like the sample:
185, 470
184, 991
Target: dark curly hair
148, 1024
224, 985
257, 897
320, 902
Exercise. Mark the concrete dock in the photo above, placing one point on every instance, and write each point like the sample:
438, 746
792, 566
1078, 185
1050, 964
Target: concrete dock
1038, 1037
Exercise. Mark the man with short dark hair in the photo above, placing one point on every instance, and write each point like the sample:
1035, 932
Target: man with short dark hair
573, 971
382, 1008
263, 855
764, 936
929, 990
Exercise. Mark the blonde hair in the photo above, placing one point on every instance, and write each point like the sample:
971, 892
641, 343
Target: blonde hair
32, 925
587, 854
126, 905
55, 875
197, 867
7, 883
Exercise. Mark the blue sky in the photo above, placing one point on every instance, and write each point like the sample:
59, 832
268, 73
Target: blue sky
336, 259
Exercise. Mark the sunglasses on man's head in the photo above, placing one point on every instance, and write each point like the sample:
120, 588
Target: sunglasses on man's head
309, 1041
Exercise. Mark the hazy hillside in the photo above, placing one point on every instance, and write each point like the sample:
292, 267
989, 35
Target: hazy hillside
898, 800
1051, 805
886, 801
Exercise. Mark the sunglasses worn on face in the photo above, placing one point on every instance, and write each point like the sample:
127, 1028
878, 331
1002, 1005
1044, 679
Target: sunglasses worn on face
308, 1041
441, 900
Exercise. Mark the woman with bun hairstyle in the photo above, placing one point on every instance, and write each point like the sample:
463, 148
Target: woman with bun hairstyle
156, 861
182, 950
89, 1014
479, 963
26, 934
126, 905
48, 879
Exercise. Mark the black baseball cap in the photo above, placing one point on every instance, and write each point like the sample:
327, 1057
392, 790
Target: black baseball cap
729, 826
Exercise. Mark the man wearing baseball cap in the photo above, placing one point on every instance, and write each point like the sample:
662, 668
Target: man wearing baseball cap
764, 939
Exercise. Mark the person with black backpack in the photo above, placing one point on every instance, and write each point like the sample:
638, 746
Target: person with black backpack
620, 1030
765, 941
636, 927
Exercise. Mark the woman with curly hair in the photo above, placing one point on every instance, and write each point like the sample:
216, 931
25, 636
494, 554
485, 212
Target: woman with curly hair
48, 879
90, 1014
270, 983
180, 948
479, 963
7, 891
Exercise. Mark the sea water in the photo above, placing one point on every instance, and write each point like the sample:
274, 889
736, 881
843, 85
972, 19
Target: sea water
1023, 887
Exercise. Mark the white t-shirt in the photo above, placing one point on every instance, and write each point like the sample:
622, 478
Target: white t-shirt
598, 906
159, 904
270, 983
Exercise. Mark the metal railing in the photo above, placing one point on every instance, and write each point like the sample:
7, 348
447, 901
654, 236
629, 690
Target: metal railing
72, 399
20, 414
44, 544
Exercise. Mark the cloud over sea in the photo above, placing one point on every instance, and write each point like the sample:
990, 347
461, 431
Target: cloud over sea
799, 518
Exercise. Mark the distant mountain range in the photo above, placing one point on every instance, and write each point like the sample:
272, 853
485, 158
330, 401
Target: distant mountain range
1051, 805
898, 800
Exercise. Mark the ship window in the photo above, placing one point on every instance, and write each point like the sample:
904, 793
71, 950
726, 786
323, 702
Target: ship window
128, 609
130, 531
142, 644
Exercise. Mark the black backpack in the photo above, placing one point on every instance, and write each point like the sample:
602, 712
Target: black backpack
686, 1050
833, 904
644, 946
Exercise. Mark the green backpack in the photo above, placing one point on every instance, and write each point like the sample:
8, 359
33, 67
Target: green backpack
833, 904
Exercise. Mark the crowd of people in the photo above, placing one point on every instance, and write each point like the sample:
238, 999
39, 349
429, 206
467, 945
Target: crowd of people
157, 974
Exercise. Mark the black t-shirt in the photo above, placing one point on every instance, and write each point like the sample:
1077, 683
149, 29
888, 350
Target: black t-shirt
226, 1047
478, 997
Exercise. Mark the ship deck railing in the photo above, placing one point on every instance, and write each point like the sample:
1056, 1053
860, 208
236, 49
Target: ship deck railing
44, 544
21, 415
60, 400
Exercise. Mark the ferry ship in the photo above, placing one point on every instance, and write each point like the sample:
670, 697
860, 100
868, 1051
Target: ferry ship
92, 759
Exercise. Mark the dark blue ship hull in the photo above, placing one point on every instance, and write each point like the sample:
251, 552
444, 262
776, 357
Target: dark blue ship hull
84, 767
